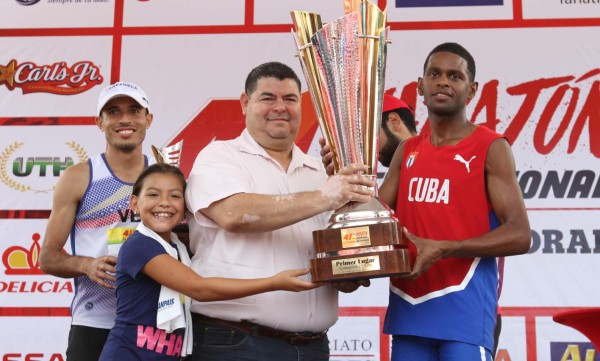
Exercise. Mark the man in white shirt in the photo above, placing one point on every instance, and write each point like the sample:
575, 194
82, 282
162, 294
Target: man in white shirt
254, 202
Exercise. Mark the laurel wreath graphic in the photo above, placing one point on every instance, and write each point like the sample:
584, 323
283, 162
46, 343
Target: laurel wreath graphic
79, 151
4, 157
4, 174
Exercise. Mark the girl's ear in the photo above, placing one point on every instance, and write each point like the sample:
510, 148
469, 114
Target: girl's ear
133, 203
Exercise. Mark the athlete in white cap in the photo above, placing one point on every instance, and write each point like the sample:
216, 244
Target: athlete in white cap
91, 208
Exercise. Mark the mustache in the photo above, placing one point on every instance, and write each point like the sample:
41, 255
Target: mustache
282, 116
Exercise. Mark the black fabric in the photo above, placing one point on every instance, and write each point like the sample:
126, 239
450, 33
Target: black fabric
86, 343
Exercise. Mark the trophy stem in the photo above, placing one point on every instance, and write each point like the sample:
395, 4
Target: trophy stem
355, 214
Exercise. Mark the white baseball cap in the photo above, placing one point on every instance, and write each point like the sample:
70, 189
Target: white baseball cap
122, 89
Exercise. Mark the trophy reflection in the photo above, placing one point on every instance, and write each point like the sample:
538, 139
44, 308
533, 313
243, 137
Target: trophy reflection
344, 66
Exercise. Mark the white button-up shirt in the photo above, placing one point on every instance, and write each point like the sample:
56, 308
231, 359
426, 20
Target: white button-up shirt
225, 168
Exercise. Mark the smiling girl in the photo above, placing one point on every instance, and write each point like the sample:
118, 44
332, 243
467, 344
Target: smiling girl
153, 319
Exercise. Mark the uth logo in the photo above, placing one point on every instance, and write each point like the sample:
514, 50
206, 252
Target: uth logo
459, 158
24, 172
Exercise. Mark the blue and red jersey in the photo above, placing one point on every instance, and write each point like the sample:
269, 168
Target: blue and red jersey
442, 196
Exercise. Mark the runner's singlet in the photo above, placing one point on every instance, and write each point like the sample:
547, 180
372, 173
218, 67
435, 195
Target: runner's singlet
103, 221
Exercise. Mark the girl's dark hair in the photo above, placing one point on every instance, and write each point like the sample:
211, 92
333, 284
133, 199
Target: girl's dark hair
161, 168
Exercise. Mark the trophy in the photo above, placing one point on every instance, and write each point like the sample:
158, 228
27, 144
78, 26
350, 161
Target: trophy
170, 155
344, 66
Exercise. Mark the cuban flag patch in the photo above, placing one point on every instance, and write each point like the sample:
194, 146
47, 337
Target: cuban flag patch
411, 159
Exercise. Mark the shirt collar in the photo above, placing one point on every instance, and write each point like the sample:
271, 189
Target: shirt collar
299, 158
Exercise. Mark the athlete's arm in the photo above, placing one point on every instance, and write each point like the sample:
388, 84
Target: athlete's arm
53, 260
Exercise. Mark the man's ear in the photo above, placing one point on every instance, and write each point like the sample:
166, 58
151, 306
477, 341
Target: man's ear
100, 123
397, 126
149, 119
244, 99
420, 86
393, 121
473, 90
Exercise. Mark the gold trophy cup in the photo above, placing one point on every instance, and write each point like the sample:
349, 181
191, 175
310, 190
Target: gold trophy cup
344, 66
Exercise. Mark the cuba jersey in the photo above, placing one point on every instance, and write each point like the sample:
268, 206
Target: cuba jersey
442, 196
102, 223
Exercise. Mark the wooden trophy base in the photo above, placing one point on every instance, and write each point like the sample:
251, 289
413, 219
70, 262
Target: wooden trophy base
369, 251
371, 265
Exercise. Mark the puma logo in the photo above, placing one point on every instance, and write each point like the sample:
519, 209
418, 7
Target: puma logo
459, 158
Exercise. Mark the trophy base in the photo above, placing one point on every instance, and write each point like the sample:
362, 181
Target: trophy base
361, 250
360, 266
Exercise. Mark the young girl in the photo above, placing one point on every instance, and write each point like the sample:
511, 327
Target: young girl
152, 320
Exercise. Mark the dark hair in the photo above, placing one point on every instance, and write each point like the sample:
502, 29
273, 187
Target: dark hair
405, 115
158, 168
457, 49
272, 69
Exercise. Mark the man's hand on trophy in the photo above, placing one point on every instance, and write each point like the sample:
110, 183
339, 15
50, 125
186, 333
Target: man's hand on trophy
326, 156
350, 286
428, 252
348, 186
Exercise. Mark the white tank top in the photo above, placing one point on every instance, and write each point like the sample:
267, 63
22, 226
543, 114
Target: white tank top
103, 221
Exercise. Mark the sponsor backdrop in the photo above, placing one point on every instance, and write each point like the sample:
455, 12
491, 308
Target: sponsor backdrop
539, 75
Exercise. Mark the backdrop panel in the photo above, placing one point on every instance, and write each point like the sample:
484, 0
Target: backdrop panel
57, 14
539, 85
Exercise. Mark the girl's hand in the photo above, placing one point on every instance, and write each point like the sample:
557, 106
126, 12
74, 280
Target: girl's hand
289, 281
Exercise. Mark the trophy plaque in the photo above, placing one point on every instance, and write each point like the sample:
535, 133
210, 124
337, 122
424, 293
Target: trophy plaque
344, 66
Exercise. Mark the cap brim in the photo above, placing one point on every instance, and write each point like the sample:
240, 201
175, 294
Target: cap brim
141, 101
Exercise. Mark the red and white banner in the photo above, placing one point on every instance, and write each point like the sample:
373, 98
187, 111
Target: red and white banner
538, 68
